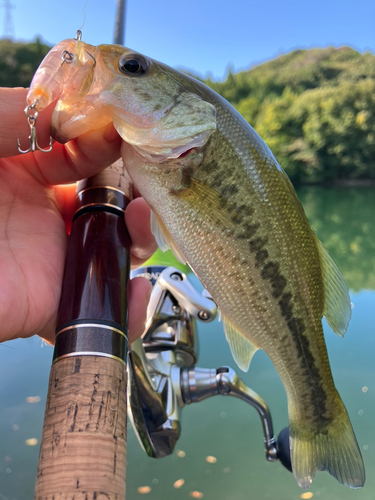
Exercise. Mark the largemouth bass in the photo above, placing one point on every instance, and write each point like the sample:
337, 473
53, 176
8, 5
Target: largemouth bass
224, 205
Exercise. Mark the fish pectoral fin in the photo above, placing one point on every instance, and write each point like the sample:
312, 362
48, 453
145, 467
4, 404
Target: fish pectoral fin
337, 307
241, 348
158, 233
163, 238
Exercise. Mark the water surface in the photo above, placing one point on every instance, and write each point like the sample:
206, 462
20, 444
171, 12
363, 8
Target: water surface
222, 427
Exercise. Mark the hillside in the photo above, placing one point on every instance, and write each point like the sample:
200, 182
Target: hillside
315, 109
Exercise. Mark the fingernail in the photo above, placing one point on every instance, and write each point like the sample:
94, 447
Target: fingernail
110, 133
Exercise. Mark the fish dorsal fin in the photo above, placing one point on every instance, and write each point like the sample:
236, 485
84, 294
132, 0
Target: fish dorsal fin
242, 349
337, 308
163, 238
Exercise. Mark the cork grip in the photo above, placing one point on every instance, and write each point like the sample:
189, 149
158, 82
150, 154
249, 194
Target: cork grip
83, 450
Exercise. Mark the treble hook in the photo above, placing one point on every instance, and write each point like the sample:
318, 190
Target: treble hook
31, 118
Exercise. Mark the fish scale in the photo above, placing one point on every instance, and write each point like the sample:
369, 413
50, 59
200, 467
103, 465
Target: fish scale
225, 206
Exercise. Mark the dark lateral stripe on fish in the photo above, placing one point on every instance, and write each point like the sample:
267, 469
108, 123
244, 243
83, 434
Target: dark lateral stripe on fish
248, 231
285, 306
237, 218
230, 190
257, 244
261, 256
270, 270
314, 402
316, 399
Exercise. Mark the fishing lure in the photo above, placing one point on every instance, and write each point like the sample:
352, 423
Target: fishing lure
47, 85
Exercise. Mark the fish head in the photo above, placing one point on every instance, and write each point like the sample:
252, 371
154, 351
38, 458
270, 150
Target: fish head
151, 109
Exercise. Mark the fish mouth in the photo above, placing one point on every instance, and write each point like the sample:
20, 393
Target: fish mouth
163, 152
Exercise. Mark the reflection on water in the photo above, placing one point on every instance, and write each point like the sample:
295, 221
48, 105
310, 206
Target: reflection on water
220, 454
344, 219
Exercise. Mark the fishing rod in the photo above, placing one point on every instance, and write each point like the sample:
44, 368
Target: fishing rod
83, 445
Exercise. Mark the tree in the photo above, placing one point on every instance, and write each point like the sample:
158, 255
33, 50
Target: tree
314, 108
19, 61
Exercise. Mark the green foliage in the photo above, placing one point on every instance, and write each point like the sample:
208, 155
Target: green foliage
19, 61
315, 109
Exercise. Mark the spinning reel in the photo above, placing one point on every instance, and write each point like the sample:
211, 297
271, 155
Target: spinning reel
163, 376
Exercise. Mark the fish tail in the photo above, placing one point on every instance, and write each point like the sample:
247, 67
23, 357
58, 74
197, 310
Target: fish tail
335, 449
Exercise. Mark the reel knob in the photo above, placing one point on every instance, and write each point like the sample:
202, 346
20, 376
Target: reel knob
283, 448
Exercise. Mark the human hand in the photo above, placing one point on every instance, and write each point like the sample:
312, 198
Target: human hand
33, 208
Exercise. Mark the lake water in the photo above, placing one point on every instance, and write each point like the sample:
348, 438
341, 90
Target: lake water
222, 427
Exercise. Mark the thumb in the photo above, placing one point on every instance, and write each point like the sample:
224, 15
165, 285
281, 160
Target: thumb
80, 158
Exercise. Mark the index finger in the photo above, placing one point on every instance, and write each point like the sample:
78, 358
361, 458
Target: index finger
79, 158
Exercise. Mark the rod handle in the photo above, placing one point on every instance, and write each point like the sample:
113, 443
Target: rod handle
83, 448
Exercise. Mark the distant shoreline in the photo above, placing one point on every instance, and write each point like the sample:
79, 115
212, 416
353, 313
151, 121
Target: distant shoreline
340, 183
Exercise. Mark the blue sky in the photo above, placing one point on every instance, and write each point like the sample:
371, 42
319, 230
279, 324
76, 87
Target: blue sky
204, 35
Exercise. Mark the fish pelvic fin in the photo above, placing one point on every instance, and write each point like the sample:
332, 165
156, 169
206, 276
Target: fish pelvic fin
337, 307
241, 348
335, 450
163, 238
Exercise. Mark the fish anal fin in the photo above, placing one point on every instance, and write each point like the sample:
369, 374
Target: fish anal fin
241, 348
337, 307
163, 238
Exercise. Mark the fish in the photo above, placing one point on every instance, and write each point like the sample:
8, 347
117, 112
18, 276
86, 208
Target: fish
224, 205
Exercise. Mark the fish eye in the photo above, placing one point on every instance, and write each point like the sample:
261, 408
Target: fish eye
133, 64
